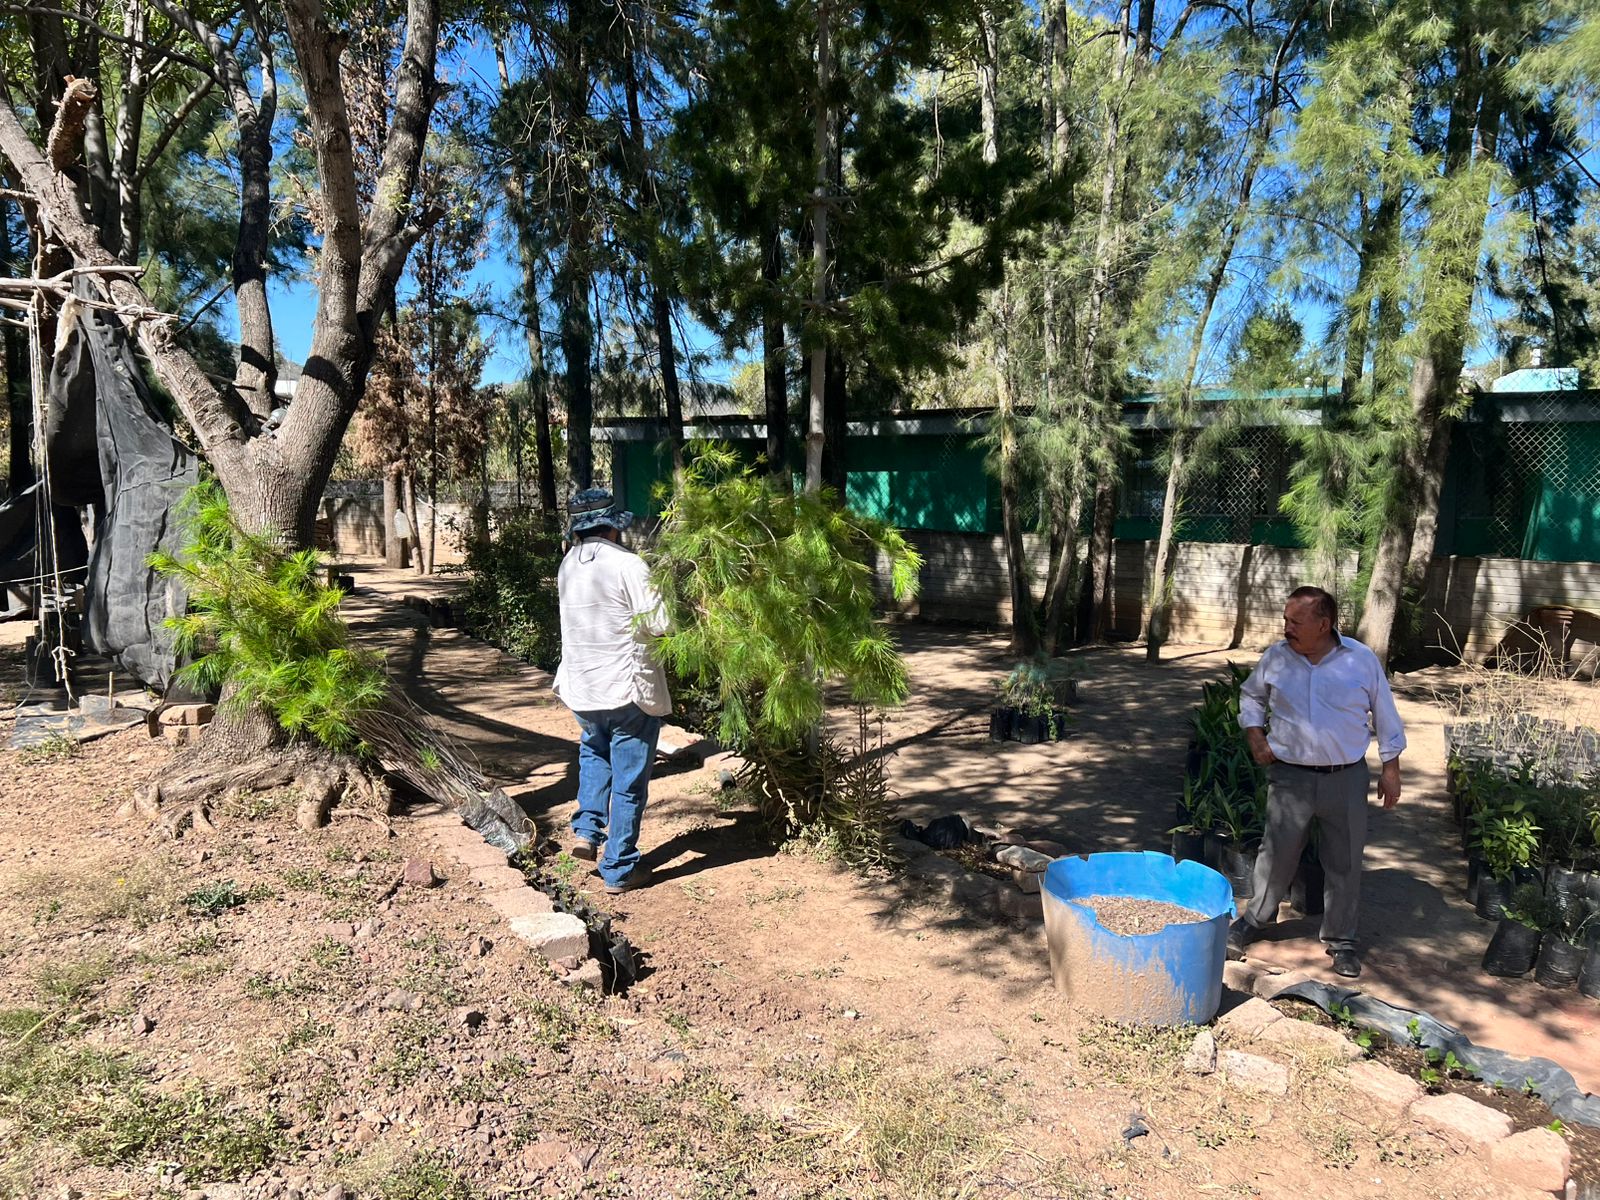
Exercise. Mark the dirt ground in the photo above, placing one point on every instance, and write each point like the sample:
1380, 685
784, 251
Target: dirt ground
258, 1007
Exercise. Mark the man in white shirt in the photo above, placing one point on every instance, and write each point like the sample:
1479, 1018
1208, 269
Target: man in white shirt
612, 681
1309, 710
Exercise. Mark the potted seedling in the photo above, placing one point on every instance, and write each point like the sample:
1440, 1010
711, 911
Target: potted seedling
1036, 694
1237, 838
1196, 815
1508, 838
1561, 951
1514, 948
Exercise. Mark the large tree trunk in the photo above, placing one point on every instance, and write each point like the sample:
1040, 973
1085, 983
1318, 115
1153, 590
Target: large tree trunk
1101, 543
774, 362
816, 433
1067, 516
1472, 133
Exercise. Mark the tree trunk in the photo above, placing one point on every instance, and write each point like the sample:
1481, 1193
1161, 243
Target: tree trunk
816, 433
1062, 592
409, 498
835, 448
394, 547
774, 362
577, 335
661, 300
1158, 622
1101, 539
1472, 133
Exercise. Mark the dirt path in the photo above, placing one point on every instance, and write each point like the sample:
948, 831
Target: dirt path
259, 1006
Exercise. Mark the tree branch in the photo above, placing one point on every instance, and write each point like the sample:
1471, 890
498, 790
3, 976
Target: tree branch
218, 416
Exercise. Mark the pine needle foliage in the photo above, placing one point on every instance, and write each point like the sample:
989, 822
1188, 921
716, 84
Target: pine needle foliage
772, 600
265, 630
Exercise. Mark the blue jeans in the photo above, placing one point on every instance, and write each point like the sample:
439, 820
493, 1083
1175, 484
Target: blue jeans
615, 754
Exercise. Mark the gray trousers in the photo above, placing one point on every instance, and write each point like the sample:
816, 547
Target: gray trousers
1338, 802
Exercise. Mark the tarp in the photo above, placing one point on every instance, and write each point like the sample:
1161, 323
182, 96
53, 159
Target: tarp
1554, 1083
110, 448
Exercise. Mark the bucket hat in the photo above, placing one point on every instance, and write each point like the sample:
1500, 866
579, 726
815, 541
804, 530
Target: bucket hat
594, 508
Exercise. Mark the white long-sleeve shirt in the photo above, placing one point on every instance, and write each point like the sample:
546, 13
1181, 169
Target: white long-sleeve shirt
609, 613
1323, 714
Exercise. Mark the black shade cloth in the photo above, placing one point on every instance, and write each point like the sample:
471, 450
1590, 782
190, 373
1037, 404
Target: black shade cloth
133, 471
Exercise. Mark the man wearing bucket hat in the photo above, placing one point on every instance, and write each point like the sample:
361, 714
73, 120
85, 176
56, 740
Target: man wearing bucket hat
1309, 711
610, 678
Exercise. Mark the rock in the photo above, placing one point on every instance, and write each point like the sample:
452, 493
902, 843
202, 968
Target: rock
587, 975
478, 947
552, 935
183, 735
470, 1018
367, 929
400, 1000
1202, 1056
1246, 1022
1028, 881
188, 714
512, 903
1241, 977
337, 929
1268, 986
582, 1155
1052, 850
142, 1024
68, 1192
1303, 1037
1020, 858
336, 1192
419, 874
1536, 1158
1383, 1086
1252, 1073
1463, 1123
223, 1191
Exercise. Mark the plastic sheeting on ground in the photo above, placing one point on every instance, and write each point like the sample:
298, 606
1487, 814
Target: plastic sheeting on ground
1554, 1084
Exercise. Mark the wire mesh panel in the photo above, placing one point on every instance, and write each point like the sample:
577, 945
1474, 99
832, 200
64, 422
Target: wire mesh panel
1524, 478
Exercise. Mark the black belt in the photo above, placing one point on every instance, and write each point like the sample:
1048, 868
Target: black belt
1325, 770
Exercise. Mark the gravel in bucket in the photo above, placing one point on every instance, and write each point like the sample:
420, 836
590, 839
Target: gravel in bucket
1123, 914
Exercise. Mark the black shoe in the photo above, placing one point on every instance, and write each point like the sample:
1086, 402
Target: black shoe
584, 851
637, 878
1346, 963
1240, 934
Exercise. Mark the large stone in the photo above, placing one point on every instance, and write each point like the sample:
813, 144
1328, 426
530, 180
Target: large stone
1020, 858
553, 935
524, 901
1028, 881
1246, 1022
1463, 1123
1536, 1158
1303, 1037
1202, 1056
1269, 986
586, 976
1241, 977
1383, 1087
187, 714
1252, 1073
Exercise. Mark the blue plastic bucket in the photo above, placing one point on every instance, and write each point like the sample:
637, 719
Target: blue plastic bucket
1170, 977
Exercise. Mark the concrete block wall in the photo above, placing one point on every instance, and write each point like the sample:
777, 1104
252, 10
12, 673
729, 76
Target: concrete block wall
1229, 594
